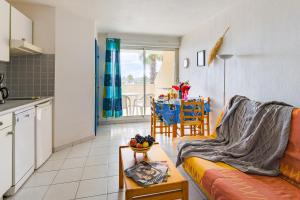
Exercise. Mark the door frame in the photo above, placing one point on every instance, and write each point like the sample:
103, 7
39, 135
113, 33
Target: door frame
97, 87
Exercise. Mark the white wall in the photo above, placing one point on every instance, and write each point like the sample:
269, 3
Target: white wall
74, 77
43, 24
265, 39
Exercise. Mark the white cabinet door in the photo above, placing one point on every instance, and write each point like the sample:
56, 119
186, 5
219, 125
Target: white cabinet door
4, 31
21, 26
43, 133
6, 159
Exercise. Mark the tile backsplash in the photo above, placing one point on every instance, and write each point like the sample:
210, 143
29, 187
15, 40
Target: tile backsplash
3, 67
31, 75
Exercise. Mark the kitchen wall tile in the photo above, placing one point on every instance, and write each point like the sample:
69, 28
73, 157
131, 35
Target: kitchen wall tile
44, 67
31, 75
50, 79
51, 92
14, 61
3, 70
44, 93
30, 93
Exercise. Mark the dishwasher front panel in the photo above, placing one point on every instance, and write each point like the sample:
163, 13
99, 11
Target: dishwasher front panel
23, 143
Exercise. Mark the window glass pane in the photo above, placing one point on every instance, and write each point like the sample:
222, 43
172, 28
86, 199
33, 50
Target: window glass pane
132, 72
159, 72
159, 77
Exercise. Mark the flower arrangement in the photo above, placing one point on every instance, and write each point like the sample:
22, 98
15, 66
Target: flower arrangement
183, 89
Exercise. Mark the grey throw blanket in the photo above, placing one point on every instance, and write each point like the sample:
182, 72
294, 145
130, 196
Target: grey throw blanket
252, 137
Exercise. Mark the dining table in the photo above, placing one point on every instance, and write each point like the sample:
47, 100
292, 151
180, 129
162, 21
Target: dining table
169, 112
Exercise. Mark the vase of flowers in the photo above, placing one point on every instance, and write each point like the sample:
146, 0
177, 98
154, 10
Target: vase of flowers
183, 89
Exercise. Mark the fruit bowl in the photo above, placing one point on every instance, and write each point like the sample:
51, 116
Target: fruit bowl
140, 144
141, 150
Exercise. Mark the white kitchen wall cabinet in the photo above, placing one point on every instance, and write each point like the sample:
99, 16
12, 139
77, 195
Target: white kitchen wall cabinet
21, 26
4, 30
6, 154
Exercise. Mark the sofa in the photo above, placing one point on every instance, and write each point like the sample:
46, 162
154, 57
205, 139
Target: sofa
222, 182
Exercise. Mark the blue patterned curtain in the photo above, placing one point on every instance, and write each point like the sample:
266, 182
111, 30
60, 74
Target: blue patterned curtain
112, 96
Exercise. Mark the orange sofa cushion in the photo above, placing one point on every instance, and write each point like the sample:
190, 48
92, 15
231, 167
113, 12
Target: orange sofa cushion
220, 181
233, 184
290, 163
197, 167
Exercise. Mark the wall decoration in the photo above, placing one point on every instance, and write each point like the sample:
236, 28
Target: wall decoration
186, 63
213, 53
201, 58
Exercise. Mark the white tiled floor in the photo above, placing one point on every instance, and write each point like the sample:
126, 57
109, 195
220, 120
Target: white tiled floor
89, 171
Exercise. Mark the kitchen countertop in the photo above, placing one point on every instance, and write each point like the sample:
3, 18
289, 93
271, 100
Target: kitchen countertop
14, 105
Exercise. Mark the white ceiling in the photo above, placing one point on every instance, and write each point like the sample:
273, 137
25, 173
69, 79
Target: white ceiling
163, 17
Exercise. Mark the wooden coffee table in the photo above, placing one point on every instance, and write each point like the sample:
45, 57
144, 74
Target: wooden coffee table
175, 188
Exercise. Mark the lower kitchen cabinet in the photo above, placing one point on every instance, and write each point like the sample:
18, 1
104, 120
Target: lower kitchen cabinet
6, 159
25, 137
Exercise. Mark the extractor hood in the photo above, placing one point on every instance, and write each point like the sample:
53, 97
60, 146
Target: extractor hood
22, 47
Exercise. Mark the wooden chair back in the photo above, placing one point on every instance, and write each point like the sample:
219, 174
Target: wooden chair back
191, 116
152, 105
156, 122
206, 116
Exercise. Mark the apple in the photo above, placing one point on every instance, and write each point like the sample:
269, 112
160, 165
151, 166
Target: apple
145, 144
138, 145
133, 142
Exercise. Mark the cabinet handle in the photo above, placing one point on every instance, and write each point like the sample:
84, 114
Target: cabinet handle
9, 133
27, 115
1, 123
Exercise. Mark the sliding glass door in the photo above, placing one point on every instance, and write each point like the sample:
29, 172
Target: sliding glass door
145, 73
132, 72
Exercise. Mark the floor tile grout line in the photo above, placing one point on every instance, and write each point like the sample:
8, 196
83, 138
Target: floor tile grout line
61, 184
92, 196
66, 157
81, 179
38, 170
104, 177
44, 196
82, 174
